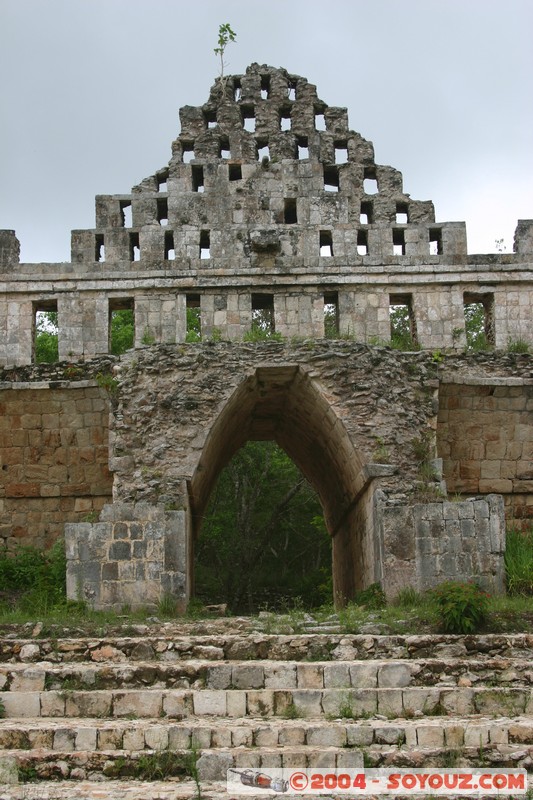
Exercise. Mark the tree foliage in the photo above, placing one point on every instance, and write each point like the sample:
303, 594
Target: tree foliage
263, 540
122, 330
46, 337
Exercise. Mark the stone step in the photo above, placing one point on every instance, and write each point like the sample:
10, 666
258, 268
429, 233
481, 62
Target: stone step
158, 734
258, 646
289, 703
212, 765
168, 789
197, 674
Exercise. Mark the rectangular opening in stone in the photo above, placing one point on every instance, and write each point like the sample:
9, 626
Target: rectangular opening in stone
291, 91
248, 118
263, 150
263, 313
362, 243
331, 315
341, 152
370, 181
223, 148
121, 324
479, 320
162, 179
194, 327
398, 242
331, 179
326, 244
197, 173
435, 241
99, 247
265, 87
402, 213
210, 118
320, 120
235, 172
135, 247
126, 212
187, 149
290, 214
303, 147
45, 332
170, 252
366, 217
162, 210
205, 244
237, 89
285, 119
402, 322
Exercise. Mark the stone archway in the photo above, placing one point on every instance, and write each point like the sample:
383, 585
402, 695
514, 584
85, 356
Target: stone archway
180, 413
284, 404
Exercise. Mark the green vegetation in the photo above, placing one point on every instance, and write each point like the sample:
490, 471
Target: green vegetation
31, 580
194, 330
46, 337
225, 36
461, 607
122, 332
477, 339
519, 562
401, 328
263, 538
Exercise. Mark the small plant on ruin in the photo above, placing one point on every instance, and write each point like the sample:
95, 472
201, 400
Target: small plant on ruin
291, 711
2, 710
148, 337
461, 607
225, 36
107, 382
517, 346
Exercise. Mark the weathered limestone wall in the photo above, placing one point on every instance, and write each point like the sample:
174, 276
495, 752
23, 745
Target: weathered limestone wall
53, 459
425, 544
485, 437
136, 555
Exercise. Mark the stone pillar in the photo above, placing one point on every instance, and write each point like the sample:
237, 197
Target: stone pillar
135, 556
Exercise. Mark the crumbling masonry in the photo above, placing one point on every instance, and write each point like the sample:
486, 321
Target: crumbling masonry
270, 206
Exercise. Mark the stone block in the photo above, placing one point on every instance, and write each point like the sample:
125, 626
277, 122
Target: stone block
210, 702
280, 676
177, 704
430, 735
363, 676
248, 676
214, 766
336, 676
393, 675
326, 736
310, 676
86, 739
137, 704
156, 737
21, 704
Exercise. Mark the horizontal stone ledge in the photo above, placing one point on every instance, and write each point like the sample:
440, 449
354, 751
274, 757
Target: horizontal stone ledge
472, 380
51, 384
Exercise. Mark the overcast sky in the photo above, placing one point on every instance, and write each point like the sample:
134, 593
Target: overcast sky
91, 92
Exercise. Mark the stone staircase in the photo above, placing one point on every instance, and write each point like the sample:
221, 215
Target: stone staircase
159, 710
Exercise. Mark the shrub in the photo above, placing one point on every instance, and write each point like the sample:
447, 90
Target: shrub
519, 562
33, 579
461, 607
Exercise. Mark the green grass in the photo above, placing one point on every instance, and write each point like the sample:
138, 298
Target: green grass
33, 589
519, 562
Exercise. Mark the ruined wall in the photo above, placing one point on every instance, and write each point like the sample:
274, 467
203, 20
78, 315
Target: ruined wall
53, 458
485, 437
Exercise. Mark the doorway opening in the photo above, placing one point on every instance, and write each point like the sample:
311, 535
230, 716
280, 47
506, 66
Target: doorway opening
263, 542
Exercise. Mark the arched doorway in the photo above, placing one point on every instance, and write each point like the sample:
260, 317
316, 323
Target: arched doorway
263, 543
285, 404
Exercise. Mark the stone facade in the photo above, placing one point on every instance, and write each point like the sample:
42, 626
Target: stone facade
271, 206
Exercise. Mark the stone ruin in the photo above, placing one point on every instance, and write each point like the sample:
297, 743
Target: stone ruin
272, 206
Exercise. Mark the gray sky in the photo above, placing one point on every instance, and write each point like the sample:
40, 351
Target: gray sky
91, 92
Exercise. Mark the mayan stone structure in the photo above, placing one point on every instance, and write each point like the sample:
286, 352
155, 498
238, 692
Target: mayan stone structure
270, 205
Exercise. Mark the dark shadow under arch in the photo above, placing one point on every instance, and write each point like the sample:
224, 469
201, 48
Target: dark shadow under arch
285, 404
